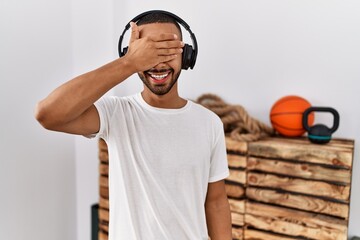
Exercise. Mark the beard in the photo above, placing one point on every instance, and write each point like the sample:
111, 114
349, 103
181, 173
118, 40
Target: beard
160, 89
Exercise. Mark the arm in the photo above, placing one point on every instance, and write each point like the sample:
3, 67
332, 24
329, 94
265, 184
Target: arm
217, 210
70, 108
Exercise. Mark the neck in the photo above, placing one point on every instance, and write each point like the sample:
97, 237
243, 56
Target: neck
171, 100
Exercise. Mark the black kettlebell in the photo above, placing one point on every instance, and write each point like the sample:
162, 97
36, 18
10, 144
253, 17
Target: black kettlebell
319, 133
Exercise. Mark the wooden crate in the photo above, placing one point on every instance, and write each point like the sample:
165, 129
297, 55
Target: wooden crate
278, 188
293, 189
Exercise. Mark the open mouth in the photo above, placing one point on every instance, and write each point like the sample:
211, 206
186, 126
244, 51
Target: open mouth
159, 77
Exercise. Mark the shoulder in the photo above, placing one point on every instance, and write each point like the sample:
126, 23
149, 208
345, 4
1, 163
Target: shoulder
206, 114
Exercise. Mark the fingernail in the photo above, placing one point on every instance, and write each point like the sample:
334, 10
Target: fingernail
175, 36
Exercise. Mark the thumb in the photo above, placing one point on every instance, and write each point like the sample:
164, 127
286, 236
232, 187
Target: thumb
134, 32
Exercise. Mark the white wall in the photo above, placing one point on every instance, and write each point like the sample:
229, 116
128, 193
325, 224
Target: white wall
37, 168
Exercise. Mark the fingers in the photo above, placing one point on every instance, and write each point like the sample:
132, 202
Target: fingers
170, 44
164, 37
167, 58
169, 51
169, 47
135, 33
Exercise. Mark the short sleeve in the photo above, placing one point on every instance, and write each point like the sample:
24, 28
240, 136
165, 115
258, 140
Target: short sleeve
218, 163
105, 107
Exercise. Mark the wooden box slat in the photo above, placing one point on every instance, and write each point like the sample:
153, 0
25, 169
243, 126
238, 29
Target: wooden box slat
104, 157
294, 222
298, 201
104, 226
251, 234
315, 188
236, 161
102, 235
237, 206
102, 145
237, 233
302, 170
104, 169
238, 176
103, 203
104, 192
237, 219
103, 181
236, 146
103, 215
330, 154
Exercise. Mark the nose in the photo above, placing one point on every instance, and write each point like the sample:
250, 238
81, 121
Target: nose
161, 67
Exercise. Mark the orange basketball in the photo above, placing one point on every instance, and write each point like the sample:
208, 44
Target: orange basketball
286, 116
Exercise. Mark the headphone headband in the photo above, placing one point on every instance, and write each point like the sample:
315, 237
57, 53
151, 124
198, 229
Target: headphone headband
190, 51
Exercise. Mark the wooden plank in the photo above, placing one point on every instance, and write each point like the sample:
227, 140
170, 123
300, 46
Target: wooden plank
102, 145
237, 206
303, 170
310, 187
104, 169
237, 233
252, 234
236, 146
238, 176
312, 153
298, 201
234, 191
237, 219
103, 214
236, 161
294, 223
104, 226
102, 236
104, 203
104, 192
335, 142
104, 156
103, 181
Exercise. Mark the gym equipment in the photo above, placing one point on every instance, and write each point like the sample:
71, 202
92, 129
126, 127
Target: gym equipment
286, 115
320, 133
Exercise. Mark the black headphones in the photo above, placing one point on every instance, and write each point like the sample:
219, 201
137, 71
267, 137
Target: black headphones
189, 53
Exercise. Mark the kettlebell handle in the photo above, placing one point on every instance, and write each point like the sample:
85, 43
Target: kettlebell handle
321, 109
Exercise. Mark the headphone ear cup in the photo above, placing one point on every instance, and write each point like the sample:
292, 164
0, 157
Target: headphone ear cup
187, 57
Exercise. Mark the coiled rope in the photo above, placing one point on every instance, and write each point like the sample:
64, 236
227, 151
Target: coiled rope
237, 122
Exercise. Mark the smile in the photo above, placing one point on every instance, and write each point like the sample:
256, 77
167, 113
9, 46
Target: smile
159, 78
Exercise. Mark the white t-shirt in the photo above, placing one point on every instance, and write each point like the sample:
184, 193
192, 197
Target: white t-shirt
160, 164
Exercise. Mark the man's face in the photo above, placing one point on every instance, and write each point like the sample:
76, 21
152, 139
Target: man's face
161, 78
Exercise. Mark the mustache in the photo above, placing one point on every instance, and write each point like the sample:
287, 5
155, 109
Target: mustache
154, 70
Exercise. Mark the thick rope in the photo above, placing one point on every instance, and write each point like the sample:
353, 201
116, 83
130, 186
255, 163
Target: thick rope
237, 122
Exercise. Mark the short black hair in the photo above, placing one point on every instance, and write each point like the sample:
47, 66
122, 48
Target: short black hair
158, 17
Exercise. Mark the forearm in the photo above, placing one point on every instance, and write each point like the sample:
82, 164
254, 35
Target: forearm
71, 99
218, 219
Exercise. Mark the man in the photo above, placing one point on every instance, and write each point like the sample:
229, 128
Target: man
167, 154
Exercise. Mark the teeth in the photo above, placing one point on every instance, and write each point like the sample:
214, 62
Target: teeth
158, 76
